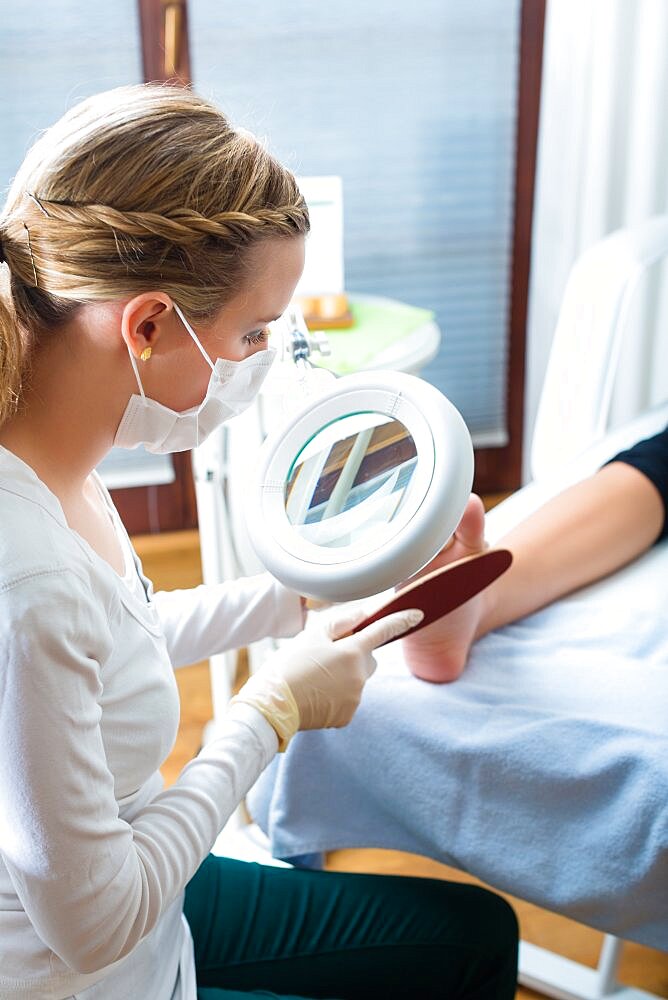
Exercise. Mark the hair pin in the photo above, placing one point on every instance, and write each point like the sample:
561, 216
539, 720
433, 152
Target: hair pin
32, 259
37, 202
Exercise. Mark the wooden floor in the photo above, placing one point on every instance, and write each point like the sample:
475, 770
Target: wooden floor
173, 561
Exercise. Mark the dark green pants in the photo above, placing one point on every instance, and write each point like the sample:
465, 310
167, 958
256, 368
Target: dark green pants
268, 931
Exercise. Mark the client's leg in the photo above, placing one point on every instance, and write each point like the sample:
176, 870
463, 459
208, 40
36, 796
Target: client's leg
347, 936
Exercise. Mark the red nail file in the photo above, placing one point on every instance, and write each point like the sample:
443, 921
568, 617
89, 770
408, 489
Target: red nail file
445, 589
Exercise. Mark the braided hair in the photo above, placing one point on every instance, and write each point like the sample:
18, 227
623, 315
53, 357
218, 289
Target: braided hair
140, 188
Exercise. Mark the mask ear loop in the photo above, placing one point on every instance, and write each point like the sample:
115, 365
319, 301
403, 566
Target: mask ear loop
194, 336
179, 313
136, 371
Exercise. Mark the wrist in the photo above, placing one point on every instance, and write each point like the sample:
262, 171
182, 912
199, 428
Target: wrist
270, 694
252, 719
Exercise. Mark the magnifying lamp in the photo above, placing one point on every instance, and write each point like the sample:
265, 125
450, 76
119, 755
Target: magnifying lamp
361, 487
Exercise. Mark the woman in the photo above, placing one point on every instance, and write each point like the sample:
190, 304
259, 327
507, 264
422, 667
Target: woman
147, 245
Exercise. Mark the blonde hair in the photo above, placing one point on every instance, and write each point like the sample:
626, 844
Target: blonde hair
139, 188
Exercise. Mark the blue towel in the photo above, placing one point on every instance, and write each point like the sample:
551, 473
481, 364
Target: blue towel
542, 771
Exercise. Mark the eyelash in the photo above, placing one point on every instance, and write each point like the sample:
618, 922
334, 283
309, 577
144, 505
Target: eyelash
256, 338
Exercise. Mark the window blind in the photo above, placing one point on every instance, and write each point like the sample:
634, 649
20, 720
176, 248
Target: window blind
53, 53
414, 106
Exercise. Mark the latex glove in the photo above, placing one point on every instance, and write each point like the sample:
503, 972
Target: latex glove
316, 680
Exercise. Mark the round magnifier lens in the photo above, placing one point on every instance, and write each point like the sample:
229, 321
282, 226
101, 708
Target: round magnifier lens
348, 483
360, 488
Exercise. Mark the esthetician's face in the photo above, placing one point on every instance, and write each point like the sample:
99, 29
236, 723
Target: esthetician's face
240, 328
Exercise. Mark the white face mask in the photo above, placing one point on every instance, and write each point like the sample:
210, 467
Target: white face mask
232, 388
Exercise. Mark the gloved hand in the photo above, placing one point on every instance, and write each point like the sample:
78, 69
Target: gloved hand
316, 681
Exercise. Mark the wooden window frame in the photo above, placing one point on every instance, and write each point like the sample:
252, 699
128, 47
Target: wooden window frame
166, 59
164, 41
499, 470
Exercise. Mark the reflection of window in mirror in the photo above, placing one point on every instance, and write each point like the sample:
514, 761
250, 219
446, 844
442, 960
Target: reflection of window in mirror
364, 463
389, 447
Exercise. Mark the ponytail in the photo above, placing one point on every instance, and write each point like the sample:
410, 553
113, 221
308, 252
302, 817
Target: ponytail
12, 358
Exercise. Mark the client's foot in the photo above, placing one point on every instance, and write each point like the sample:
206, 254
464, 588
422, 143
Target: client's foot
439, 651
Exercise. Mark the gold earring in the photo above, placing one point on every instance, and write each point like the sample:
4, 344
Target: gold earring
145, 354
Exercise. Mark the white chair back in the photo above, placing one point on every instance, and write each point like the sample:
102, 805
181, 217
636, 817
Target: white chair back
575, 401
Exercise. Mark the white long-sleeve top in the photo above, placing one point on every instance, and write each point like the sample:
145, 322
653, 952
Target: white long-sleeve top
94, 853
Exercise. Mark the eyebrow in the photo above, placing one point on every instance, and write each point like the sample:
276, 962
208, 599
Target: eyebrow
272, 320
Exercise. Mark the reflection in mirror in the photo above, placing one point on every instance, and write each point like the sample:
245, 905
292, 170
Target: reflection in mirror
349, 482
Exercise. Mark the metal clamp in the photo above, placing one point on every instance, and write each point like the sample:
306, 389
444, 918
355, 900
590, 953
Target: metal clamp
301, 342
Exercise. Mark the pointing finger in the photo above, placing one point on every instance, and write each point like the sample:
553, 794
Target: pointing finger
388, 628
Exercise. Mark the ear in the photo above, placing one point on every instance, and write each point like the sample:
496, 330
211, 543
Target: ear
145, 319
